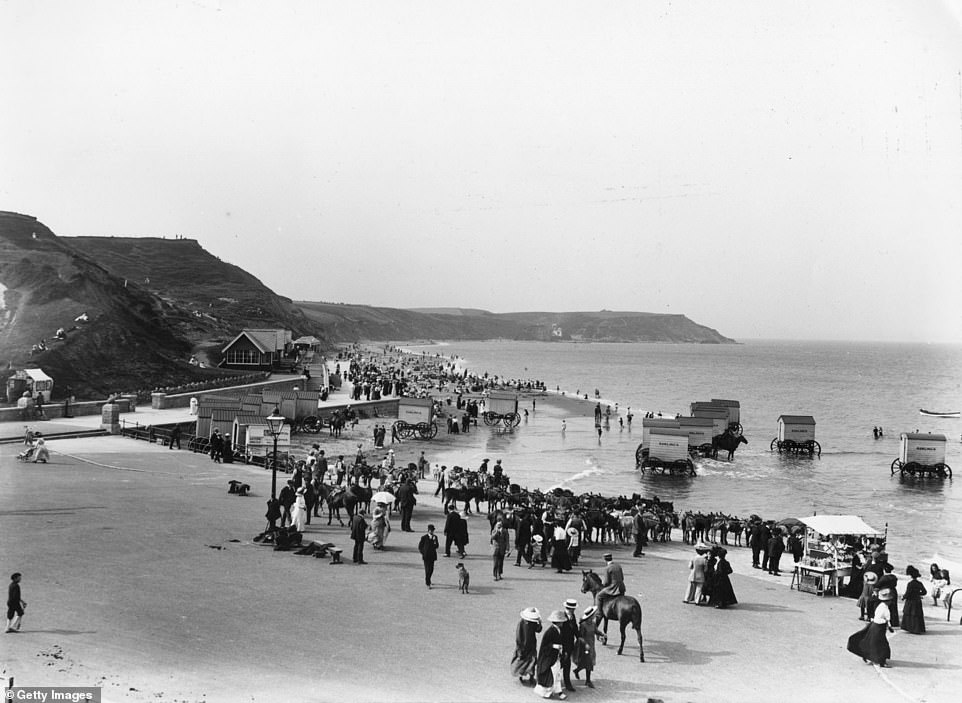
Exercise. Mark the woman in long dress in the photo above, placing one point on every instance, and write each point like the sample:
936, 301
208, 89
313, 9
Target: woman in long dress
560, 560
299, 514
912, 618
722, 593
380, 527
584, 657
526, 646
871, 642
548, 664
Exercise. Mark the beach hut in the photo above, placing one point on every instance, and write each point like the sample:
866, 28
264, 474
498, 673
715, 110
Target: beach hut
734, 410
253, 434
668, 444
719, 415
700, 430
650, 423
796, 433
922, 454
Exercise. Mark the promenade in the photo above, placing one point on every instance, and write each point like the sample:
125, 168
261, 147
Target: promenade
142, 578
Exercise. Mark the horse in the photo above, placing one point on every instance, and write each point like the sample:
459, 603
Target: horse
728, 441
453, 495
625, 609
349, 499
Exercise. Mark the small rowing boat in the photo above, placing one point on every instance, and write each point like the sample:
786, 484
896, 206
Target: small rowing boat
931, 413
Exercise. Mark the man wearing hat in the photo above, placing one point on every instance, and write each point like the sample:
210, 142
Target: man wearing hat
428, 546
569, 633
547, 665
614, 581
696, 574
358, 534
584, 658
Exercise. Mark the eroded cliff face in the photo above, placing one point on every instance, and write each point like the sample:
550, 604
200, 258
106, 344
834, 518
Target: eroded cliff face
125, 341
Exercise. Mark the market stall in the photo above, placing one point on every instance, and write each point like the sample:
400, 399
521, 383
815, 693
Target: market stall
831, 542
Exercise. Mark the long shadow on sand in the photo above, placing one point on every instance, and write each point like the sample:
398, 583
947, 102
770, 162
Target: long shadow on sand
765, 608
619, 690
667, 651
50, 511
897, 664
61, 632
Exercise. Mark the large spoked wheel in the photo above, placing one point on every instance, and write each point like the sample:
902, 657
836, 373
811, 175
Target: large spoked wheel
644, 464
639, 455
774, 445
896, 465
945, 470
312, 424
691, 467
815, 448
512, 420
491, 418
199, 444
427, 430
735, 427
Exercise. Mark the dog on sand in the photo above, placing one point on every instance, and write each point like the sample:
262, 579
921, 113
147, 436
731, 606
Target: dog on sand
464, 578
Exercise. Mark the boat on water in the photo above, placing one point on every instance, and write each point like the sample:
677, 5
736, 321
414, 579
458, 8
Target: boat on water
932, 413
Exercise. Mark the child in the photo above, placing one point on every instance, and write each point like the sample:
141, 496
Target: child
868, 588
940, 579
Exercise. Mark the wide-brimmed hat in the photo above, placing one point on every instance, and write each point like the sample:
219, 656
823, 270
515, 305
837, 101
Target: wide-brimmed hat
702, 547
589, 611
912, 571
571, 604
531, 615
557, 616
870, 576
537, 538
607, 556
886, 594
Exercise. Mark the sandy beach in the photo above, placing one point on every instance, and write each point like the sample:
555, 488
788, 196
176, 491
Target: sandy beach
142, 578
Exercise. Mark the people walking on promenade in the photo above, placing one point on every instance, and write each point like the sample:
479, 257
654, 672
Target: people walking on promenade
776, 547
15, 603
428, 547
499, 549
524, 660
696, 574
548, 663
869, 581
522, 538
569, 633
299, 514
406, 501
584, 658
722, 593
359, 534
871, 643
912, 618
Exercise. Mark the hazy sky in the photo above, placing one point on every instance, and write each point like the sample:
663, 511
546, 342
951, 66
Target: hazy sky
770, 169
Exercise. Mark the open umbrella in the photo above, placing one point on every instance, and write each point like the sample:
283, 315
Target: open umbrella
791, 524
383, 497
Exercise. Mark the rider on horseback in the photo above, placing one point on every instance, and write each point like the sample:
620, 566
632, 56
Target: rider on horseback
614, 582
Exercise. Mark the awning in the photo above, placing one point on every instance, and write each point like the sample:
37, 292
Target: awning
839, 525
37, 375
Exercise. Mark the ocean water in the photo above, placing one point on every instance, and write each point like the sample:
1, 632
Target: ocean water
847, 387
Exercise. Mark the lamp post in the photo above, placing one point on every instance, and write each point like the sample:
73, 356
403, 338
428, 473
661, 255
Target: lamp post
275, 423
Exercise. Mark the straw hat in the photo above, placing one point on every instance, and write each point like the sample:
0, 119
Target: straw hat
589, 611
702, 547
571, 604
886, 594
557, 616
531, 615
870, 577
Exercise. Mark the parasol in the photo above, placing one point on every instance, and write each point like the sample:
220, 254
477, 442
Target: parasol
383, 497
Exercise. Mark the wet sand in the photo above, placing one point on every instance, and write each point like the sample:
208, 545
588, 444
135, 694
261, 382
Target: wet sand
136, 583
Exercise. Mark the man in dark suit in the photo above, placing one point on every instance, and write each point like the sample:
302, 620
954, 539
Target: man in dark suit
775, 550
359, 534
755, 542
569, 633
406, 502
522, 538
766, 536
286, 499
428, 546
451, 528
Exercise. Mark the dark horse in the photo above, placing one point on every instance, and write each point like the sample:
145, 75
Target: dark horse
349, 499
625, 609
728, 441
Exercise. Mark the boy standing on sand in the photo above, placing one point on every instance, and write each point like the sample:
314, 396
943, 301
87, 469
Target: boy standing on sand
15, 604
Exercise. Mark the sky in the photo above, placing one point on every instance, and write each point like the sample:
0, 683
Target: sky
769, 169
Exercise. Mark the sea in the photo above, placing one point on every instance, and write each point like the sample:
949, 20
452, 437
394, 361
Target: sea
848, 387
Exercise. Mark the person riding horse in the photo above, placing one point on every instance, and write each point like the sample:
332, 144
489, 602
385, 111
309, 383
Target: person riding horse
614, 581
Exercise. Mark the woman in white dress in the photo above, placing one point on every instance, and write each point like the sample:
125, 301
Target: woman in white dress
299, 514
